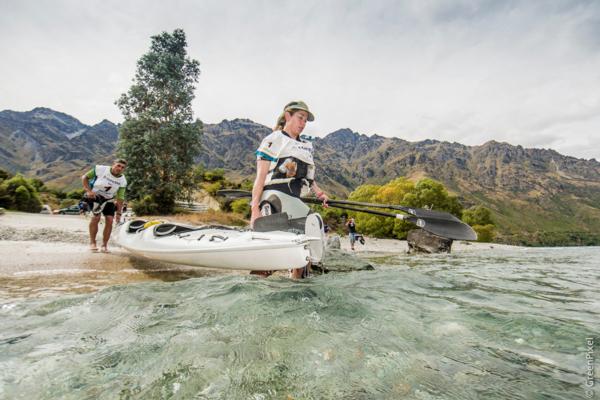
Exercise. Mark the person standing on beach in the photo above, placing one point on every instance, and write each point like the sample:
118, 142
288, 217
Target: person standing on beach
351, 232
104, 192
285, 163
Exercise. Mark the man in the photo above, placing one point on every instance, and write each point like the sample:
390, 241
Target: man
104, 192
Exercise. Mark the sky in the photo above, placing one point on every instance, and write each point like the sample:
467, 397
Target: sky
522, 72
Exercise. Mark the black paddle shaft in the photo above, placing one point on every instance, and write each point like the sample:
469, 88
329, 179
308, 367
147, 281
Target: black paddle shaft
436, 222
417, 212
455, 230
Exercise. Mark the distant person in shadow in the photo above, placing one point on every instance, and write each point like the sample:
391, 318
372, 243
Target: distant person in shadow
285, 163
104, 193
351, 232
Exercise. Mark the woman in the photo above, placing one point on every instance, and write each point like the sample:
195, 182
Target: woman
285, 162
351, 232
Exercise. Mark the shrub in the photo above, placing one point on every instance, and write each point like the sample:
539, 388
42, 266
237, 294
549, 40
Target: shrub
213, 188
4, 175
480, 219
485, 233
76, 194
146, 206
214, 175
247, 185
22, 196
478, 215
18, 192
38, 184
401, 191
241, 206
6, 199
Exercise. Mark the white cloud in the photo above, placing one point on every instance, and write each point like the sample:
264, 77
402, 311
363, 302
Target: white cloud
466, 71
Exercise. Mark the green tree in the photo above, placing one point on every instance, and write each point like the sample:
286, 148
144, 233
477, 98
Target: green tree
478, 215
214, 175
159, 137
22, 197
38, 185
6, 199
401, 191
432, 194
480, 219
4, 175
198, 173
485, 233
145, 206
76, 194
241, 206
371, 224
246, 184
18, 192
213, 188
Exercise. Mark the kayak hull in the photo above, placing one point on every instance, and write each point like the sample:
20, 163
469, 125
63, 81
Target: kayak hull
219, 247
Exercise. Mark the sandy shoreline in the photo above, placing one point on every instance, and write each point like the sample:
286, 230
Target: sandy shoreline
50, 251
44, 254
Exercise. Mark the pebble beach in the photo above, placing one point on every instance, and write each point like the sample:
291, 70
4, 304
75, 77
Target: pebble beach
42, 254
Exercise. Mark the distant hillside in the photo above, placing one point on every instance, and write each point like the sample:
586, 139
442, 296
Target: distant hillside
531, 191
51, 145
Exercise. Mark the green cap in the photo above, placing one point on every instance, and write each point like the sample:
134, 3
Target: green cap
299, 105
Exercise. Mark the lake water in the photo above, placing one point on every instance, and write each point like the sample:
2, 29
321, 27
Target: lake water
497, 324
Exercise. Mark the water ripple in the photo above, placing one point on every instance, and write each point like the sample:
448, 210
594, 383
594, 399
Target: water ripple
495, 325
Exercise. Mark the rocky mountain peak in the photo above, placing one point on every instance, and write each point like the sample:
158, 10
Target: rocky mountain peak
345, 135
105, 122
47, 115
237, 124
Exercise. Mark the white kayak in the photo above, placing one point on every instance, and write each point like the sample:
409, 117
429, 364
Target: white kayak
222, 247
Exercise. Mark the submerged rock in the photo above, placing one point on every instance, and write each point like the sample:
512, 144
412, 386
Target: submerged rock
337, 260
420, 241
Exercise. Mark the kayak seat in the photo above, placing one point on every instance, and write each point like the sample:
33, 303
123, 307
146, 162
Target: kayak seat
280, 222
273, 222
167, 229
171, 229
136, 225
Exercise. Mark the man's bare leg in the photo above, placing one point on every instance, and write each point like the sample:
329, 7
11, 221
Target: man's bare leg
108, 223
93, 227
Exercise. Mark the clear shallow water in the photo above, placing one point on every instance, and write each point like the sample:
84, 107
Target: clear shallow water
498, 324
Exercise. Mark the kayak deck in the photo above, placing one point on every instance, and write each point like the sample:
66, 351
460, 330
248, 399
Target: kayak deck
222, 247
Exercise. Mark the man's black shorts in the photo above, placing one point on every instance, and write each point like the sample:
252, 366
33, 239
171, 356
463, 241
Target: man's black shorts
108, 209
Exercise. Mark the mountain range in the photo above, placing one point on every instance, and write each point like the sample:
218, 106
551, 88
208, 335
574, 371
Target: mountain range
53, 146
532, 192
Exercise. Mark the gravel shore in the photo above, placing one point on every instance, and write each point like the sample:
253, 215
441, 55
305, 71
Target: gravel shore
42, 253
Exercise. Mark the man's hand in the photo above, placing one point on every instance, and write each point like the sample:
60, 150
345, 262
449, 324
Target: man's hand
90, 194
